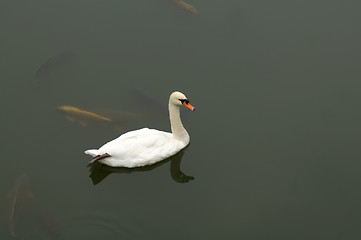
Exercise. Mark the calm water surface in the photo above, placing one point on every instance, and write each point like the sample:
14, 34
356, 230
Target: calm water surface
275, 141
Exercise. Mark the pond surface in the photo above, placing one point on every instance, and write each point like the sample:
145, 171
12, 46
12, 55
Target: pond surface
275, 141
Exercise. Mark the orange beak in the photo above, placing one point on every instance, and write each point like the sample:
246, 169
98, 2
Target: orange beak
190, 107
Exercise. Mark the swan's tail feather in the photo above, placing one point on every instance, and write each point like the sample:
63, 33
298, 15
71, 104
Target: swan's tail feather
92, 152
96, 158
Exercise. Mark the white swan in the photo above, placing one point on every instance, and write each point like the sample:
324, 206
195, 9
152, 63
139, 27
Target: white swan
146, 146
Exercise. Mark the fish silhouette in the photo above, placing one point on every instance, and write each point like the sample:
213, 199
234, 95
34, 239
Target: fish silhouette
18, 196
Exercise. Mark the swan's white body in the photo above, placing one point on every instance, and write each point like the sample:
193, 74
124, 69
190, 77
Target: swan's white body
147, 146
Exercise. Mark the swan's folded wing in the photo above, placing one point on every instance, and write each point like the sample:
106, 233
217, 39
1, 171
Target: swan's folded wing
135, 142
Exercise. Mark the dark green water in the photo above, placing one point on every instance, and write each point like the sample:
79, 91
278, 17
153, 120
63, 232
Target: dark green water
275, 141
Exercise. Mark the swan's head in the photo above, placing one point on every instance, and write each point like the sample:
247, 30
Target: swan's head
178, 98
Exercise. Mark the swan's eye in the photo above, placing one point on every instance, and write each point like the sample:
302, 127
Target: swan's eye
184, 101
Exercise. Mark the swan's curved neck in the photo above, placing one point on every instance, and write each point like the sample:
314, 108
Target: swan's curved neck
178, 130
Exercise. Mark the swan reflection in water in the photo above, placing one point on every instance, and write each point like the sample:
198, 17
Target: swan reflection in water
98, 171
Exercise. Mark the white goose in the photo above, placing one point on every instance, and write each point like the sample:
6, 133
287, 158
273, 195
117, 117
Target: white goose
146, 146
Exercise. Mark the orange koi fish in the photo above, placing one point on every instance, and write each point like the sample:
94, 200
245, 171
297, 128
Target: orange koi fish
82, 116
185, 6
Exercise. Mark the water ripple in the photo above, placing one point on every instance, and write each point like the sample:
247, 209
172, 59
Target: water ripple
96, 225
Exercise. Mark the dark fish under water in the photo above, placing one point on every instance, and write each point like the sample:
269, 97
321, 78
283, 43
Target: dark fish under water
52, 62
18, 196
48, 225
149, 103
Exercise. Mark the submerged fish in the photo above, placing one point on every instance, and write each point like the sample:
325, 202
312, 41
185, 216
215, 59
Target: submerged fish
118, 116
149, 103
115, 118
51, 63
185, 6
48, 225
82, 116
18, 195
